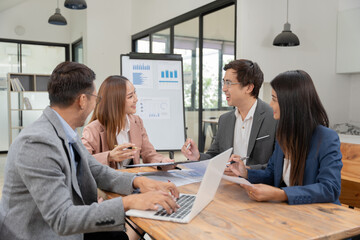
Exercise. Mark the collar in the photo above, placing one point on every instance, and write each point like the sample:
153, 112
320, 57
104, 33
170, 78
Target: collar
71, 135
127, 124
250, 113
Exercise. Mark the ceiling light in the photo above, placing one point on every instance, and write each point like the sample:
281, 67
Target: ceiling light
286, 38
57, 18
75, 4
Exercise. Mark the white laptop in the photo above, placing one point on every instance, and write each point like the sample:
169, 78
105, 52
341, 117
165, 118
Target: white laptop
191, 205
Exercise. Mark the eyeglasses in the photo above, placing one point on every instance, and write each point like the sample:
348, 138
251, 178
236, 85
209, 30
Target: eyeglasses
228, 83
98, 98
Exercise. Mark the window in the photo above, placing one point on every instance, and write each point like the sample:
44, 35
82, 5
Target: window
142, 45
205, 37
9, 58
161, 41
219, 39
186, 43
77, 51
40, 59
30, 57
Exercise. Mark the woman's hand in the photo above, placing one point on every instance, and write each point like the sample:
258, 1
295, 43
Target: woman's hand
123, 152
263, 192
168, 167
237, 167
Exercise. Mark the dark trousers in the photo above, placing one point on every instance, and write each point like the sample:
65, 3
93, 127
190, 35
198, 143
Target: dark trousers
106, 235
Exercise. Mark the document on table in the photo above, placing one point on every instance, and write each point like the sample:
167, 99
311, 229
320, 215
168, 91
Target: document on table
178, 177
198, 166
157, 164
236, 180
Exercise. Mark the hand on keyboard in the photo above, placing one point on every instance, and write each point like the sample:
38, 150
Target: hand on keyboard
150, 201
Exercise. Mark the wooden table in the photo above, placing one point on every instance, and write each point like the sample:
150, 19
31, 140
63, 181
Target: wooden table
232, 215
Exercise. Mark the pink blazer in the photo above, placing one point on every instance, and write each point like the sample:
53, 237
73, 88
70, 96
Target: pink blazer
94, 139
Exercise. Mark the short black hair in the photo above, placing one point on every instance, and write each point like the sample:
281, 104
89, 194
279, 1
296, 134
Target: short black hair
248, 72
69, 80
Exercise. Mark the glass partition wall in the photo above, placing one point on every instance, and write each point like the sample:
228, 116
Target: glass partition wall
205, 37
218, 50
186, 43
161, 41
28, 57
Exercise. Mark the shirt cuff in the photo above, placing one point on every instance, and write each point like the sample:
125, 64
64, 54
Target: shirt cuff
136, 190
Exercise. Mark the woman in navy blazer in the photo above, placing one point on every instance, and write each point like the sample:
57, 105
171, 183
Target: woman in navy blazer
306, 164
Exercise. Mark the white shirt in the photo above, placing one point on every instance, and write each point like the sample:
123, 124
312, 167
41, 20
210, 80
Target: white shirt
286, 171
242, 132
121, 138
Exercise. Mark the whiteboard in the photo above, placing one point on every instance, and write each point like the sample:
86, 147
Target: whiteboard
158, 79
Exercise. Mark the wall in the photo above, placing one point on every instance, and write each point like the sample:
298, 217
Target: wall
143, 11
316, 53
33, 16
108, 36
78, 29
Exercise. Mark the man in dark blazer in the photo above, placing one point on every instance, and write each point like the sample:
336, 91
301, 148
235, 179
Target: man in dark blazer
51, 180
249, 128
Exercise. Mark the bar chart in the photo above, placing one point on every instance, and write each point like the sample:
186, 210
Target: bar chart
168, 77
141, 67
142, 74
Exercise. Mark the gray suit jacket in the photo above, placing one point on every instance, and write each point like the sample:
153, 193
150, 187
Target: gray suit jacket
259, 150
41, 197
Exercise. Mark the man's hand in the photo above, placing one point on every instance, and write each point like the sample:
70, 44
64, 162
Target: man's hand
263, 192
146, 185
150, 201
190, 150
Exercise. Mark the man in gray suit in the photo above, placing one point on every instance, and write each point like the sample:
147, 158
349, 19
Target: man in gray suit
51, 180
249, 128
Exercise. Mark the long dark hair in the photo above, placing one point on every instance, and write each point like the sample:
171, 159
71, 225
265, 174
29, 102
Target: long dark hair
111, 109
301, 111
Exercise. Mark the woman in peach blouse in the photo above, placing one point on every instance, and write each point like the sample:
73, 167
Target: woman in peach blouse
115, 136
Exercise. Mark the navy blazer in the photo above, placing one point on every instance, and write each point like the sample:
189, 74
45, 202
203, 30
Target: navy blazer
322, 177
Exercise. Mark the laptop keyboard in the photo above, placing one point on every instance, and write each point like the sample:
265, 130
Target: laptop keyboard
185, 202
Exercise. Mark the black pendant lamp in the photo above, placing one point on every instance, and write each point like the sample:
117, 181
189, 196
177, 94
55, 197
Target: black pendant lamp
286, 38
75, 4
57, 18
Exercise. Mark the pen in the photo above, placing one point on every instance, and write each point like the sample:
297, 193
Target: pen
188, 146
232, 161
133, 148
129, 147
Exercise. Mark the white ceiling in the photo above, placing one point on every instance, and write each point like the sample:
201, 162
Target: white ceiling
6, 4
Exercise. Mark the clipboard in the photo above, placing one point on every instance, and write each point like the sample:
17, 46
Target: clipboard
158, 164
